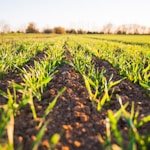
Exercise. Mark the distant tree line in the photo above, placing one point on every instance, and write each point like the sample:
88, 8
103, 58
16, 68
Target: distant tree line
106, 29
125, 29
31, 28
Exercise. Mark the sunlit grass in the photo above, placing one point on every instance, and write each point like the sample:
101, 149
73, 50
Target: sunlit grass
131, 60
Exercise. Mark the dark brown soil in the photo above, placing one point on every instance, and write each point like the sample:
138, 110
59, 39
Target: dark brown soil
73, 116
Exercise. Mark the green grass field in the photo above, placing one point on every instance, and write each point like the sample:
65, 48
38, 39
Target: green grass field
24, 78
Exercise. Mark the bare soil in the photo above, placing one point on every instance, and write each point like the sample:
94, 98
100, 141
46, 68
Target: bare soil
73, 116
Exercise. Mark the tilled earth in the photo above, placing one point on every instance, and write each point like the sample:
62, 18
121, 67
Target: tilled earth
73, 116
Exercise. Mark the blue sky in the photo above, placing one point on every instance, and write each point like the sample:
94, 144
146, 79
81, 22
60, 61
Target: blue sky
87, 14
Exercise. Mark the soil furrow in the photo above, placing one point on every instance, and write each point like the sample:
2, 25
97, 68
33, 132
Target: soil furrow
127, 90
73, 116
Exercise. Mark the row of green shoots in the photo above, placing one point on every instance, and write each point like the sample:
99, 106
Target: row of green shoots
132, 61
15, 53
100, 90
34, 81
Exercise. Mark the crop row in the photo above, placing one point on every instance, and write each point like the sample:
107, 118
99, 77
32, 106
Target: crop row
143, 40
34, 81
15, 53
131, 61
100, 92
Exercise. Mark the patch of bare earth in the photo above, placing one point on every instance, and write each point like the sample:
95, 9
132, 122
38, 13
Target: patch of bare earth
73, 116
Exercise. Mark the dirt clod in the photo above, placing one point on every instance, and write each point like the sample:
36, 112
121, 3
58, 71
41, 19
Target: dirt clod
77, 144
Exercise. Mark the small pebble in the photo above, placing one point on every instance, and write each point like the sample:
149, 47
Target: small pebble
84, 118
65, 148
77, 143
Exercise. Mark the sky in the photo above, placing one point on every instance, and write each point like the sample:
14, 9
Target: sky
85, 14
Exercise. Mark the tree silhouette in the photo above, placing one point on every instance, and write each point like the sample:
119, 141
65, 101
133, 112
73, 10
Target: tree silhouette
59, 30
31, 28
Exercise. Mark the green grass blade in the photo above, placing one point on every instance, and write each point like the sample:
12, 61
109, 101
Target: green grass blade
143, 121
52, 104
39, 136
115, 131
